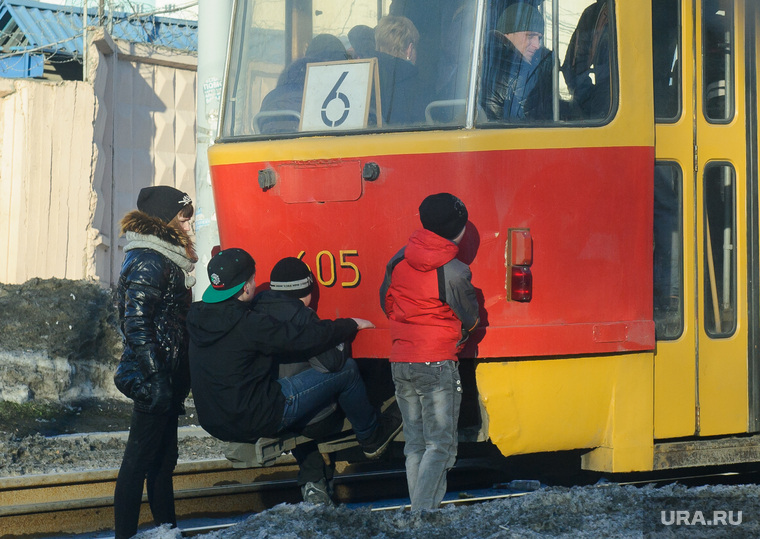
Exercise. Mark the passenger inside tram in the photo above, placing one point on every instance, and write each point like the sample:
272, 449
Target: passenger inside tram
362, 40
587, 63
517, 78
284, 102
396, 40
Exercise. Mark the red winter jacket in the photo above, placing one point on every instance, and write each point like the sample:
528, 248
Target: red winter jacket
429, 299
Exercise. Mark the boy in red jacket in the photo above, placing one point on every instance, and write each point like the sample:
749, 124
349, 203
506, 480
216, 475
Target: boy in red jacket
432, 307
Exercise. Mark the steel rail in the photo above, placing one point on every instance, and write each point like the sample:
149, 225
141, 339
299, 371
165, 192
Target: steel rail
82, 502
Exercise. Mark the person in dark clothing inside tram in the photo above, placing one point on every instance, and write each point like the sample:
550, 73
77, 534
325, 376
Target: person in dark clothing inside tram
587, 63
284, 101
517, 82
362, 40
234, 357
401, 98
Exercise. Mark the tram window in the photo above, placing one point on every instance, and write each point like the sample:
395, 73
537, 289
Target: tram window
666, 52
522, 83
719, 194
668, 251
718, 58
424, 82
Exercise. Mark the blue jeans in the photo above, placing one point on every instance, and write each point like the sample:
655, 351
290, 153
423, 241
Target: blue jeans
308, 392
429, 396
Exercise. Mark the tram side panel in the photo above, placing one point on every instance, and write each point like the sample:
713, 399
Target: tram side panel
586, 210
571, 368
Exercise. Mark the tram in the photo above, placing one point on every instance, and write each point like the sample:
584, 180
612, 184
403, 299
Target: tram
613, 234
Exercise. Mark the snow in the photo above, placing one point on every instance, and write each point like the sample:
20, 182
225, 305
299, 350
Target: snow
606, 510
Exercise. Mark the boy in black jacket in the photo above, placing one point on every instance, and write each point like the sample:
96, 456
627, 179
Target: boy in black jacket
288, 299
234, 357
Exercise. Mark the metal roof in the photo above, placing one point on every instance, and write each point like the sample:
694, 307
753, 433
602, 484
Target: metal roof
35, 27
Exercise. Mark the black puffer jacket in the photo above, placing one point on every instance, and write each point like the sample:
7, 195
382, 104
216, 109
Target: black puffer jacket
153, 301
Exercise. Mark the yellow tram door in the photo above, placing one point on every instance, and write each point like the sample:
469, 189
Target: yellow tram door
706, 238
721, 219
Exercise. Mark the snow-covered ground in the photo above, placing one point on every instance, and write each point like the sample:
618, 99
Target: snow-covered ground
580, 512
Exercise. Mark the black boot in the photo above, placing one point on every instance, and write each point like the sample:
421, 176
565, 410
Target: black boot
388, 427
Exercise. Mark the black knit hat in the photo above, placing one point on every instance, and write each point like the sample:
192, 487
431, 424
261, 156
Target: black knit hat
520, 17
228, 271
325, 44
362, 39
443, 214
292, 277
162, 201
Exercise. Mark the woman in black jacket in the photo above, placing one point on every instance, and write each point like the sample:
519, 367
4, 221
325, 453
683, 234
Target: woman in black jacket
153, 300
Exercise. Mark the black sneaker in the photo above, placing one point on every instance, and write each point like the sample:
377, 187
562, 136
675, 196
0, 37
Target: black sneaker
388, 427
317, 493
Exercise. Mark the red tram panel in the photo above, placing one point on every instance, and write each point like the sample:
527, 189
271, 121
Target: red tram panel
586, 210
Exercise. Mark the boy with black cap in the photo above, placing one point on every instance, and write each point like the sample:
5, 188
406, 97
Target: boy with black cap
432, 307
234, 355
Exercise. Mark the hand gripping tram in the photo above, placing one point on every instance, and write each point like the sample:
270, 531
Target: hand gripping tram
614, 230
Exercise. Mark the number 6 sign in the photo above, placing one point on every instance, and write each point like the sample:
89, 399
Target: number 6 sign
337, 95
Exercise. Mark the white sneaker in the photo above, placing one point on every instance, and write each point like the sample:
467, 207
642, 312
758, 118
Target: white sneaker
316, 493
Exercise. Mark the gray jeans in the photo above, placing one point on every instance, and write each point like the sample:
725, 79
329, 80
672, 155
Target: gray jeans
429, 396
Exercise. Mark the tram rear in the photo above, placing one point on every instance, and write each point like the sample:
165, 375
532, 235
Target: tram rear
317, 159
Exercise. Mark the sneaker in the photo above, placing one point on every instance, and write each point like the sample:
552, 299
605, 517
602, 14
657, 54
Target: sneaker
388, 427
316, 493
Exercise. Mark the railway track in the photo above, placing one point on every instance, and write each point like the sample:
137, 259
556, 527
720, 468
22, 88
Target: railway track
82, 502
79, 502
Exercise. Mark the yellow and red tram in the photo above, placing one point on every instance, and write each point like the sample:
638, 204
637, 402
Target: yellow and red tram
615, 248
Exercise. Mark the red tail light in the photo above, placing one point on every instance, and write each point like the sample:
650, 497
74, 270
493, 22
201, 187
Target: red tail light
519, 259
521, 285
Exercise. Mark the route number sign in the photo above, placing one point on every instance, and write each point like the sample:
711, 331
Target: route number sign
337, 95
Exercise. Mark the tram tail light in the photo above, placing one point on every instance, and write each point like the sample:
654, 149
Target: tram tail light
521, 284
519, 256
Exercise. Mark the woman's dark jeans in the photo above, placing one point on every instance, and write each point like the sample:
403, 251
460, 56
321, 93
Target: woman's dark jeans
151, 454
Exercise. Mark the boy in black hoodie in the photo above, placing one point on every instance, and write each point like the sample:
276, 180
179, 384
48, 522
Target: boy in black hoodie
235, 353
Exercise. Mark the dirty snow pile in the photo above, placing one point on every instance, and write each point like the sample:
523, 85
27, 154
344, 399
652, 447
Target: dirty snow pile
59, 341
37, 454
588, 512
59, 346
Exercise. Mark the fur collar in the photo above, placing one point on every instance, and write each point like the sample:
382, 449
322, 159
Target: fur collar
142, 223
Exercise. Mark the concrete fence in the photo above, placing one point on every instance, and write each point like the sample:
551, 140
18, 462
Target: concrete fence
74, 155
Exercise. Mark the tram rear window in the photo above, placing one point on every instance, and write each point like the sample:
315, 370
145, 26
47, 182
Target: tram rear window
316, 66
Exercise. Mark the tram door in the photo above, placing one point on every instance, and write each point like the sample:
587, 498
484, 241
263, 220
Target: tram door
701, 227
